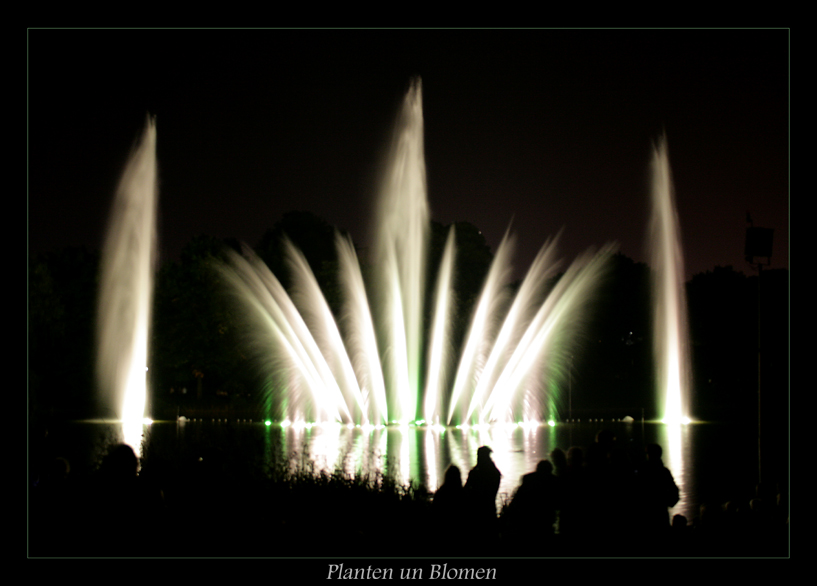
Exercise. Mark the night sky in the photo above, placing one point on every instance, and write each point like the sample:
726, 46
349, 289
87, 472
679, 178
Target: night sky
538, 129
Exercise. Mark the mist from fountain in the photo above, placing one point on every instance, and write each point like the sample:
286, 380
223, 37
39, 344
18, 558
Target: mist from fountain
378, 363
126, 290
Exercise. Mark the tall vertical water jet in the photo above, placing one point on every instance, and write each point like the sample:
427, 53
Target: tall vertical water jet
670, 327
400, 248
126, 290
438, 348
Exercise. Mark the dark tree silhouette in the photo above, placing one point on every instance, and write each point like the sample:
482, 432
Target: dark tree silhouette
62, 292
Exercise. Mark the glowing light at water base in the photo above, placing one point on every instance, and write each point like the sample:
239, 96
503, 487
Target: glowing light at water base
670, 335
388, 358
126, 291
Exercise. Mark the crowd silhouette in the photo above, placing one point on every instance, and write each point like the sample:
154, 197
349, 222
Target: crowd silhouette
601, 500
605, 499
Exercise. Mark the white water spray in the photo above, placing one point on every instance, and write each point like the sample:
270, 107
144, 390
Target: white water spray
670, 333
126, 291
386, 362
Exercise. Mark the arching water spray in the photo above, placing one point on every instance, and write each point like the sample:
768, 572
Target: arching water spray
389, 359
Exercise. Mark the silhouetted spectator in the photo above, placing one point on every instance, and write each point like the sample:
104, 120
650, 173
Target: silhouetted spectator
598, 497
559, 461
449, 500
606, 440
481, 489
573, 516
680, 544
530, 517
575, 459
707, 529
120, 464
657, 492
124, 506
546, 496
611, 476
733, 518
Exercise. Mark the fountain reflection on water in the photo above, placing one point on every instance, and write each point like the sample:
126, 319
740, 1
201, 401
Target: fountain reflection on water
420, 455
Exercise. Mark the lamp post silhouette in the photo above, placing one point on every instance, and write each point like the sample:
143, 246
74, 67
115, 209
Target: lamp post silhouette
758, 247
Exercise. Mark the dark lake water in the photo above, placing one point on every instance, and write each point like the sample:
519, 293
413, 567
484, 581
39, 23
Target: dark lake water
711, 462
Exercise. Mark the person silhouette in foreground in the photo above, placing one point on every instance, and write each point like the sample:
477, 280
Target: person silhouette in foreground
658, 492
122, 496
448, 500
481, 489
530, 517
449, 511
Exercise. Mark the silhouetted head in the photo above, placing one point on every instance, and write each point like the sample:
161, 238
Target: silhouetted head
121, 462
452, 476
730, 508
559, 460
484, 454
58, 470
704, 513
575, 457
605, 438
654, 452
544, 467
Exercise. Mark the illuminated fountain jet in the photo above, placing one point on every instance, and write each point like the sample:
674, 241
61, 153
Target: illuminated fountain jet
126, 289
382, 361
670, 333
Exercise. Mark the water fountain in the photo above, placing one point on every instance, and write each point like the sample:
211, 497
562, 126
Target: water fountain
379, 364
670, 333
670, 330
126, 289
388, 359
